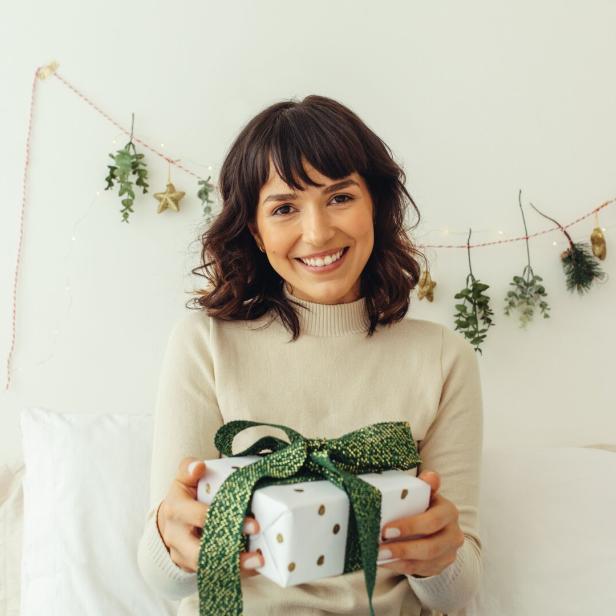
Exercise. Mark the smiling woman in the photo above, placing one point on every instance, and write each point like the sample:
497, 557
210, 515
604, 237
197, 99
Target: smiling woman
312, 219
306, 180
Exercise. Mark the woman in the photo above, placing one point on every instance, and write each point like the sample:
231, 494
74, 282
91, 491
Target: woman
301, 180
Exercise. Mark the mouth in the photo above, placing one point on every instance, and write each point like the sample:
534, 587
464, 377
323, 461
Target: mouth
325, 268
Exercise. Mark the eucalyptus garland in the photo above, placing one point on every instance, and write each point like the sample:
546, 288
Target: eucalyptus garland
127, 161
204, 194
527, 290
525, 295
474, 319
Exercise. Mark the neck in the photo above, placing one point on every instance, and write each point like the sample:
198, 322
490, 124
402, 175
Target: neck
330, 319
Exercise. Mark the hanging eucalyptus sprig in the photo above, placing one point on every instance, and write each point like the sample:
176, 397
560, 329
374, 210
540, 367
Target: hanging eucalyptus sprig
579, 264
204, 194
527, 288
468, 318
127, 161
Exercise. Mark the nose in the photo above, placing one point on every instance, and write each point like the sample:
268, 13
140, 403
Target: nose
317, 227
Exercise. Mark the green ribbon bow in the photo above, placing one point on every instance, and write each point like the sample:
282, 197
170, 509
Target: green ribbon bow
373, 448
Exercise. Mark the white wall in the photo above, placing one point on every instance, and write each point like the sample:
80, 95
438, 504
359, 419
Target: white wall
476, 99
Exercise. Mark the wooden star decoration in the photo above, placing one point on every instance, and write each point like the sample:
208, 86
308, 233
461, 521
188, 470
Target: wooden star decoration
170, 199
48, 70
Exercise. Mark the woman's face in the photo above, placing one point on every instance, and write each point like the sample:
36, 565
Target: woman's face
313, 220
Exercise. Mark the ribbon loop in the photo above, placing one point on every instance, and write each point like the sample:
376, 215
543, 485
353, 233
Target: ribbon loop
317, 443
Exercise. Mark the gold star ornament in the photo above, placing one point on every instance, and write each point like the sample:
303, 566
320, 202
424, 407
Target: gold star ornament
426, 286
170, 199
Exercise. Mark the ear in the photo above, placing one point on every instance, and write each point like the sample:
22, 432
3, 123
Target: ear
255, 235
253, 231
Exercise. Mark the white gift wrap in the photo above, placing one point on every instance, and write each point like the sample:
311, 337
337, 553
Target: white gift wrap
304, 525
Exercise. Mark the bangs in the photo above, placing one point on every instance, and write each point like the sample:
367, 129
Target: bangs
331, 147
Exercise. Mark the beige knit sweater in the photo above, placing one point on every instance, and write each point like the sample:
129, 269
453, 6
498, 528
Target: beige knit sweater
332, 380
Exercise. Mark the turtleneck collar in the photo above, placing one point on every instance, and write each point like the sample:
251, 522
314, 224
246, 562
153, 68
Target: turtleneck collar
330, 319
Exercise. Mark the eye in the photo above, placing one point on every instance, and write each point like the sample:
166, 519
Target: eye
346, 197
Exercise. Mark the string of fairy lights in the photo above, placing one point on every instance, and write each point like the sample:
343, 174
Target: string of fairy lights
51, 70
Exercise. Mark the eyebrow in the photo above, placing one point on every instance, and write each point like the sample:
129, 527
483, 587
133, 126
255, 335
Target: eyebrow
327, 189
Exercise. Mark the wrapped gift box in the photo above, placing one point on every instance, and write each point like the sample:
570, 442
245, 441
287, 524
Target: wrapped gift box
304, 525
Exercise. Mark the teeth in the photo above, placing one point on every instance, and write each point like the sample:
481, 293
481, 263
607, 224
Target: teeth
326, 261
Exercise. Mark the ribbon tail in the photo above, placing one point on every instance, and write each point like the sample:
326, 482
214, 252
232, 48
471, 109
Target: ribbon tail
352, 556
365, 502
218, 567
218, 571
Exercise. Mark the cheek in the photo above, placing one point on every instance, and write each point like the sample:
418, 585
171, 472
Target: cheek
364, 226
365, 233
279, 253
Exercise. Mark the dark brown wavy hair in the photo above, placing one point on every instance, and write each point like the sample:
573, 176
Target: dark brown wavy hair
336, 142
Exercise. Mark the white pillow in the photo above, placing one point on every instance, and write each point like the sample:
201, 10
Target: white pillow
86, 489
546, 519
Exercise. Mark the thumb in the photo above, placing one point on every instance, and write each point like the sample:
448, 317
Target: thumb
433, 478
190, 471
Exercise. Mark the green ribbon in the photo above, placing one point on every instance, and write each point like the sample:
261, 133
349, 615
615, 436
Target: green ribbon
373, 448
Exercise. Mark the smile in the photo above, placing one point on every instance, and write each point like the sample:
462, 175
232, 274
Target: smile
325, 268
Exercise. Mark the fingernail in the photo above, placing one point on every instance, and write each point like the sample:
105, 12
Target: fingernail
390, 533
191, 466
384, 554
249, 527
252, 563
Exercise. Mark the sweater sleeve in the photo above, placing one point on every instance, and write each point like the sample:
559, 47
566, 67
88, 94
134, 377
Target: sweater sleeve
185, 420
453, 448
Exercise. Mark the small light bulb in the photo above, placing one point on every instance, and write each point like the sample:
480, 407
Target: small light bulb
98, 193
73, 238
162, 145
500, 232
114, 141
209, 168
553, 243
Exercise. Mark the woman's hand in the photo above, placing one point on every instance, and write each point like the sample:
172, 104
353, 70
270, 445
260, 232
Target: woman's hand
428, 542
181, 518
